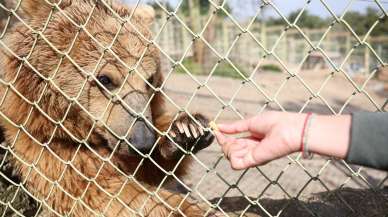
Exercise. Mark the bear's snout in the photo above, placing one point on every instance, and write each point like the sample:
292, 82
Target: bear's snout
142, 136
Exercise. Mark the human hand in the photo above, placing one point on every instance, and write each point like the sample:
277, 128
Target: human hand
272, 136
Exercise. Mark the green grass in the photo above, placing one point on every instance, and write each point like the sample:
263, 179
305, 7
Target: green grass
271, 68
223, 69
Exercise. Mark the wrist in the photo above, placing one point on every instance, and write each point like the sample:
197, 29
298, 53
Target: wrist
297, 126
329, 135
304, 144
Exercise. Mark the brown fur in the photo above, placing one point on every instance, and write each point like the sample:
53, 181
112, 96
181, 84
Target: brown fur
75, 172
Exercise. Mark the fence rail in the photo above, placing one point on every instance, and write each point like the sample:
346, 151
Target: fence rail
291, 48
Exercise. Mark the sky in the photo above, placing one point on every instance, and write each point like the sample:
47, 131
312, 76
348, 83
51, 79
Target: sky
245, 9
316, 7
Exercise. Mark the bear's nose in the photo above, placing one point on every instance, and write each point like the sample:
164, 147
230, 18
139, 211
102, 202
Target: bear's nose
142, 136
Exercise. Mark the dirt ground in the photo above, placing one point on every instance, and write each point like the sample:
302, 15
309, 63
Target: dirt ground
317, 187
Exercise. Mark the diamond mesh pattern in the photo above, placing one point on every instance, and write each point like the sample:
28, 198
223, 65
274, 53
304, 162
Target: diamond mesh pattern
285, 187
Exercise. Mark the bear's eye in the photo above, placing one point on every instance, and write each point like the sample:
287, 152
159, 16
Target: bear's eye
104, 80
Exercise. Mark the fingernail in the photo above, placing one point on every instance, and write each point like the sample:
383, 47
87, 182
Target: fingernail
180, 127
193, 131
201, 131
172, 134
187, 131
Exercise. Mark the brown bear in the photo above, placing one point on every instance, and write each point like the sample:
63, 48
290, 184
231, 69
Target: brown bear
83, 111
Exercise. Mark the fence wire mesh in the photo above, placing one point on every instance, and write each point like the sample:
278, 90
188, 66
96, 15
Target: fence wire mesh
78, 76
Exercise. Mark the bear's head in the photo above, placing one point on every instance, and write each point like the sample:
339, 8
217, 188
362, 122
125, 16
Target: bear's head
81, 70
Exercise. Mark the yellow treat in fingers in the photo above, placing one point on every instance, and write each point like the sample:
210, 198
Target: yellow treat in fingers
213, 126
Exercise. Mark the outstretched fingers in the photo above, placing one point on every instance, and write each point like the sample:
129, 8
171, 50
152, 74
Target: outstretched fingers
257, 126
236, 127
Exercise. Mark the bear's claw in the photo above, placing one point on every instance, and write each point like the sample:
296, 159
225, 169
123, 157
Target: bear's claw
189, 135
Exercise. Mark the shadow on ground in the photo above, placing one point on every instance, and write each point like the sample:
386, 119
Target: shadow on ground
338, 203
345, 202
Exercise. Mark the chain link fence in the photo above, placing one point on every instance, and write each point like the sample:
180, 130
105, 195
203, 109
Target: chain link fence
82, 88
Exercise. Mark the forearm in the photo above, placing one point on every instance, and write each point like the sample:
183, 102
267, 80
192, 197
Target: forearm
327, 135
330, 135
361, 138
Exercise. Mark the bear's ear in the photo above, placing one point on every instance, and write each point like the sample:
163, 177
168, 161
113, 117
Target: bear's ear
42, 8
144, 13
36, 8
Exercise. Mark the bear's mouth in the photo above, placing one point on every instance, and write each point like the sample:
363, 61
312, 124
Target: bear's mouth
124, 149
139, 141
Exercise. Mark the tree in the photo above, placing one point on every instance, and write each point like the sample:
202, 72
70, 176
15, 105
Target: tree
158, 9
195, 9
306, 20
362, 22
204, 7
